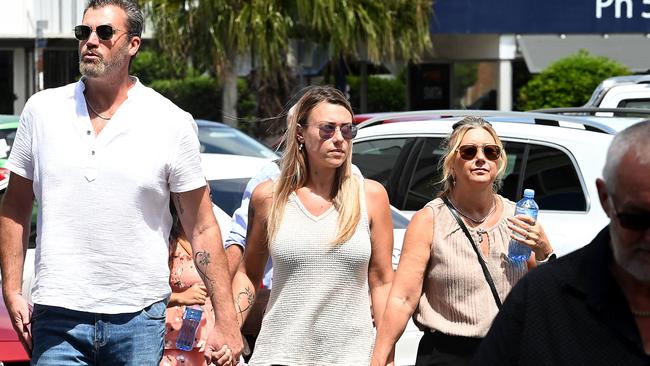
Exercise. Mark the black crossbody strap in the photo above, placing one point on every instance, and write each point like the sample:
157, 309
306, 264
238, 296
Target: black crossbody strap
486, 272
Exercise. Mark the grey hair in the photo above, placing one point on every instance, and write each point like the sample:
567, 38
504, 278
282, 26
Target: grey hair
634, 139
134, 16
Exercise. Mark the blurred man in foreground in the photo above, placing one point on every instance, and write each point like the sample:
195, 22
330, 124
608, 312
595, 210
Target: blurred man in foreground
591, 307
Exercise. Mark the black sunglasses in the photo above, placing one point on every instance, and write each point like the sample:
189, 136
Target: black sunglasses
468, 152
348, 131
104, 32
632, 221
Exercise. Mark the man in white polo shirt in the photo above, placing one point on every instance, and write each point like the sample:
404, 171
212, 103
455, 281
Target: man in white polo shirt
103, 156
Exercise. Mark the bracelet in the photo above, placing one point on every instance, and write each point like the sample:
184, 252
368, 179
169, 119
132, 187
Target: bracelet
550, 257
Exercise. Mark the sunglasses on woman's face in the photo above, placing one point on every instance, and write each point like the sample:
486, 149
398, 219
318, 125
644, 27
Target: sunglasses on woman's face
468, 152
348, 131
638, 221
104, 32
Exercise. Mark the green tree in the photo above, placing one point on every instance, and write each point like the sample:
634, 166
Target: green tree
384, 94
568, 82
216, 35
151, 65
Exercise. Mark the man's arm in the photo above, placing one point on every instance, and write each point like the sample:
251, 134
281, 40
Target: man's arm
195, 213
15, 218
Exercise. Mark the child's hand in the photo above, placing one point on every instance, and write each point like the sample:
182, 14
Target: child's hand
196, 294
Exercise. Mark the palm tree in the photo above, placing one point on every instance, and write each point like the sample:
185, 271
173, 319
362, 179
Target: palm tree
215, 35
367, 30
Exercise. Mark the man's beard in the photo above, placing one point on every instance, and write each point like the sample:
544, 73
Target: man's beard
632, 264
101, 67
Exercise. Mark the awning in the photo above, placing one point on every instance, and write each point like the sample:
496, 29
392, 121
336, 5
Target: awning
632, 50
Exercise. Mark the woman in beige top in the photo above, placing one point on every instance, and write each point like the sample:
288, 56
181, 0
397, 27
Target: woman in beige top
330, 236
439, 279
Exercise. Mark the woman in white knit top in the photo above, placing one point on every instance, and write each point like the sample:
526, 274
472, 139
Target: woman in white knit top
330, 236
439, 278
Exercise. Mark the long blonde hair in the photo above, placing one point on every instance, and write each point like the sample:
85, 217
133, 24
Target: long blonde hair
294, 167
451, 144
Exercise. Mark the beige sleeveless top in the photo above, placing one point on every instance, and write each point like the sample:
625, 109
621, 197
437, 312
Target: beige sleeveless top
456, 299
319, 309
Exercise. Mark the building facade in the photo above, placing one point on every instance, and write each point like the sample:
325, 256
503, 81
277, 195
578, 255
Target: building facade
483, 50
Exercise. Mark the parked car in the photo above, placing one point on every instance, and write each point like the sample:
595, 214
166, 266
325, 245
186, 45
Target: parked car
558, 156
8, 127
218, 138
11, 351
214, 137
631, 91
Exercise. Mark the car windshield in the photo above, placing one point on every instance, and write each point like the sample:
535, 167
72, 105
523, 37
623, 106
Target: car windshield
220, 139
227, 193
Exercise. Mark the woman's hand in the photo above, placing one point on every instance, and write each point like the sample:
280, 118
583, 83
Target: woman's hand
195, 295
531, 234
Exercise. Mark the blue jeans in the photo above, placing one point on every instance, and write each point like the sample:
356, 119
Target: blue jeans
63, 337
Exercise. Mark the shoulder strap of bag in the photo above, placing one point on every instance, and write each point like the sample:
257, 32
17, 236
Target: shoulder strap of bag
486, 272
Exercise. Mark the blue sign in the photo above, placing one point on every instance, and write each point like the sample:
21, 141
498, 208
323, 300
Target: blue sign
540, 16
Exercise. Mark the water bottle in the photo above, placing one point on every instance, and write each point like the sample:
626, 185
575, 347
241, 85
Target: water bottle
518, 252
191, 321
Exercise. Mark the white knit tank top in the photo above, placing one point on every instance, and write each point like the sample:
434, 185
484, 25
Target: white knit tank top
319, 309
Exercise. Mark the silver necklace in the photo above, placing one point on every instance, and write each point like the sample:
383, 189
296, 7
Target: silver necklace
641, 314
94, 111
477, 221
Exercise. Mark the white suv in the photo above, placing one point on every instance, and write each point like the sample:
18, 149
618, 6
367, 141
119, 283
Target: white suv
559, 157
622, 92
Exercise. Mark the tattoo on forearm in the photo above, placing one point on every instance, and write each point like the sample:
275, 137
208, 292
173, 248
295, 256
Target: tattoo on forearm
247, 297
202, 257
181, 210
202, 260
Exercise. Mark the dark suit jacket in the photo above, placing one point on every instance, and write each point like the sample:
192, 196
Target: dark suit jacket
568, 312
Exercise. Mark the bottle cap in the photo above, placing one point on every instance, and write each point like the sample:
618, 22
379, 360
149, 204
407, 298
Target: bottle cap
529, 193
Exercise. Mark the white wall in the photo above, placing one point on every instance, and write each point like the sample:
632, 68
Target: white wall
18, 17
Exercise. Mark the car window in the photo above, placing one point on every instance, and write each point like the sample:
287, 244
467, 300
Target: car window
553, 176
376, 158
643, 103
224, 140
547, 170
425, 181
511, 181
227, 193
